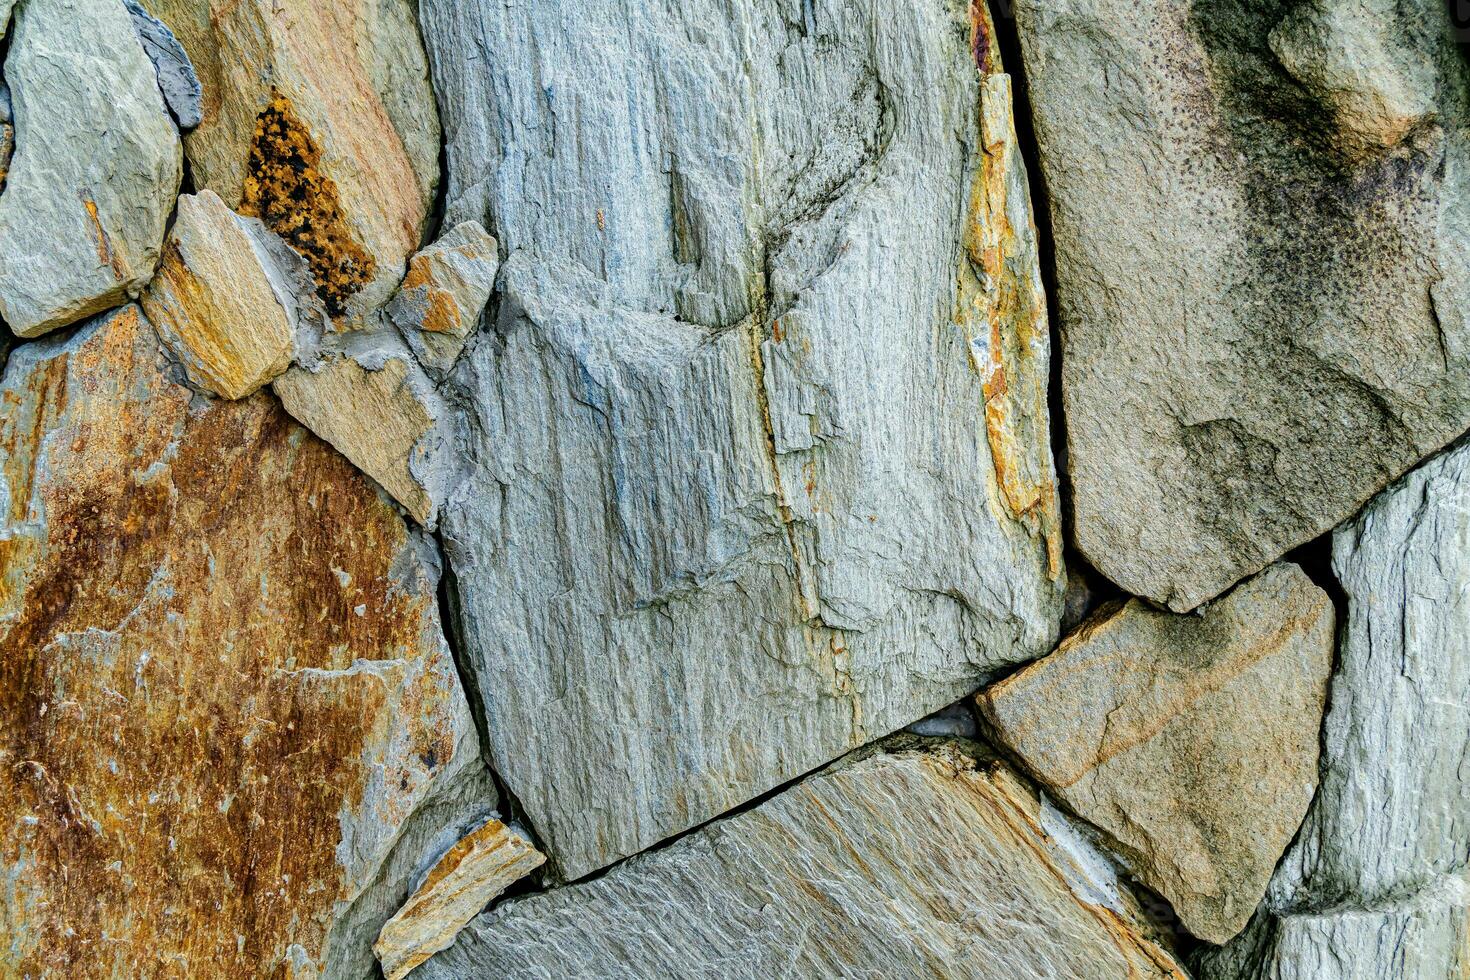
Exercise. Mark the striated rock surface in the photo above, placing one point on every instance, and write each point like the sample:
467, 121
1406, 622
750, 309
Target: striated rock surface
739, 497
441, 298
1236, 383
1190, 741
458, 888
213, 301
95, 169
1380, 863
317, 118
230, 730
914, 863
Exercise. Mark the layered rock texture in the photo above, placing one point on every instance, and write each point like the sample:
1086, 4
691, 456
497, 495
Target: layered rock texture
1190, 741
920, 862
1262, 231
732, 510
567, 489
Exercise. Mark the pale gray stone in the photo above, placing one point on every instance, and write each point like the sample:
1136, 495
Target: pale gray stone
914, 863
176, 77
733, 510
1384, 846
1262, 231
96, 166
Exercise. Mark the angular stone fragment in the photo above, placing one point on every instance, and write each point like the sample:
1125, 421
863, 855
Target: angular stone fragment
230, 729
735, 506
1190, 741
1261, 215
444, 293
1380, 861
916, 863
458, 888
213, 301
377, 415
318, 118
176, 78
95, 170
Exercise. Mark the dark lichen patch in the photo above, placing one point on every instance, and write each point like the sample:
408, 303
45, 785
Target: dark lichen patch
286, 188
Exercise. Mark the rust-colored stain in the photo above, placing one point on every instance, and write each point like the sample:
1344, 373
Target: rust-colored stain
1001, 307
286, 188
441, 311
180, 733
103, 243
982, 39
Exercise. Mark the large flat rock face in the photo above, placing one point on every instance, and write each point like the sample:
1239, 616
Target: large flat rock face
1380, 862
760, 460
96, 165
917, 863
1191, 741
1262, 232
231, 727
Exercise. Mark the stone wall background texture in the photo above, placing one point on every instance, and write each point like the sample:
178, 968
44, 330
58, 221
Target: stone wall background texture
735, 488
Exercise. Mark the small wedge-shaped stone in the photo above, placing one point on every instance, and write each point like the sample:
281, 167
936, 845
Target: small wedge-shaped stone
444, 293
318, 118
1191, 741
904, 864
230, 727
213, 302
377, 416
96, 166
1379, 866
458, 888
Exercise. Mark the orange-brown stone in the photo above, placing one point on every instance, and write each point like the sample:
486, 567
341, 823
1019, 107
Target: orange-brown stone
223, 687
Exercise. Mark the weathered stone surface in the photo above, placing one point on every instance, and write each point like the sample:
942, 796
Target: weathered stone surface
213, 301
1380, 862
230, 730
176, 77
1262, 230
377, 414
444, 293
735, 507
1190, 741
318, 118
458, 888
916, 863
95, 170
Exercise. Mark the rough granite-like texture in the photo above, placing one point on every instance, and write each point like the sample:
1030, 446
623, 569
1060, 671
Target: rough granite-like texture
735, 506
213, 302
459, 886
232, 732
319, 119
1385, 845
95, 170
1191, 741
916, 863
1261, 215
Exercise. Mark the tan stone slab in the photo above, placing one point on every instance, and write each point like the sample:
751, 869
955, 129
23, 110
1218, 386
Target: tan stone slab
213, 304
1190, 740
